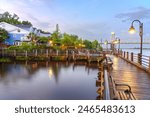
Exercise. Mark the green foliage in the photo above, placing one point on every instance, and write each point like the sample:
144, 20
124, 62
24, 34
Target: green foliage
23, 47
5, 60
67, 40
95, 44
43, 39
26, 23
56, 37
59, 58
3, 35
21, 58
12, 19
33, 37
88, 44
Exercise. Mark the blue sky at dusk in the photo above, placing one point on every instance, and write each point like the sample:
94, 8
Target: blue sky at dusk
89, 19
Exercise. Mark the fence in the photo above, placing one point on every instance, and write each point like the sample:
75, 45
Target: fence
139, 60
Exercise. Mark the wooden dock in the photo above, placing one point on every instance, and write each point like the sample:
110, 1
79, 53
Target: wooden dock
138, 79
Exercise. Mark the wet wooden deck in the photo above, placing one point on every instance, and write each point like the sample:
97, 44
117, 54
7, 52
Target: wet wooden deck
139, 80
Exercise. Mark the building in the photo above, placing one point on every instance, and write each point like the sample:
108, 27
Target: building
19, 33
16, 34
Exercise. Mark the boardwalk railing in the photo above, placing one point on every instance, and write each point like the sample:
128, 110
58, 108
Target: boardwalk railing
139, 60
103, 81
106, 85
49, 54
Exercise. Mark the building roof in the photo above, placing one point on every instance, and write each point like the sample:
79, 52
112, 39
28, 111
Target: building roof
25, 27
13, 29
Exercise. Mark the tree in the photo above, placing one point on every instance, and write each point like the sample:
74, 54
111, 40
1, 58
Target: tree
56, 37
67, 40
26, 23
33, 37
12, 19
43, 40
88, 44
94, 44
3, 35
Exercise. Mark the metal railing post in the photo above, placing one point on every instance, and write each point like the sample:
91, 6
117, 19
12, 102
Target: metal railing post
139, 59
127, 55
132, 56
124, 54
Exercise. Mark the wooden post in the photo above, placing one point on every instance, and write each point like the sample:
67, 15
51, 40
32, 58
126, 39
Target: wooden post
14, 52
46, 52
26, 54
73, 55
36, 52
66, 53
2, 52
132, 56
139, 59
57, 52
88, 54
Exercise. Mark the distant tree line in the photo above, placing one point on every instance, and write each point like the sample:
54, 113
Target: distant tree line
58, 40
12, 19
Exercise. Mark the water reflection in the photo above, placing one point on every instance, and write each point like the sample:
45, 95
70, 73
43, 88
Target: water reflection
50, 73
48, 80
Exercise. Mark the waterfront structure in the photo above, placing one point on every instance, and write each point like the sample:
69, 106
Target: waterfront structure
19, 33
16, 34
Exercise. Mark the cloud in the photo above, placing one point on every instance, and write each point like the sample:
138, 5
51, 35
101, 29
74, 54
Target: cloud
137, 13
88, 30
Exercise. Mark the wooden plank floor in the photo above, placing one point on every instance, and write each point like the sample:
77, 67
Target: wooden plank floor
139, 80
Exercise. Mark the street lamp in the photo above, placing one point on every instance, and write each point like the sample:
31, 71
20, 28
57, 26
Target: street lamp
132, 30
118, 42
106, 43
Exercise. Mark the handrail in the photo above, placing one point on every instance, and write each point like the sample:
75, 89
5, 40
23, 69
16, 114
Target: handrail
106, 85
141, 61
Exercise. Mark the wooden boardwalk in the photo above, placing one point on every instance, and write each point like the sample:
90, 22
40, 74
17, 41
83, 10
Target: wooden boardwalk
139, 80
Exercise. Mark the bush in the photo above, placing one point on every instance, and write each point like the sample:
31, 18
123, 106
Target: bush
5, 60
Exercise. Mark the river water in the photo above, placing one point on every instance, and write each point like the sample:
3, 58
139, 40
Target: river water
48, 81
133, 48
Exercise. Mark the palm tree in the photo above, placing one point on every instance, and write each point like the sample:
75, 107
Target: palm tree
3, 35
33, 37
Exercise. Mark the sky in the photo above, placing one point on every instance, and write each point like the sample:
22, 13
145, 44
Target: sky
89, 19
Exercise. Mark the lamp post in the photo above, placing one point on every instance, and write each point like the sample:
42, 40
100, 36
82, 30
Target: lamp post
106, 43
132, 30
118, 42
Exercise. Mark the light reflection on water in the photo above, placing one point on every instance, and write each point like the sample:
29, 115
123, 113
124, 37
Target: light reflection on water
47, 81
